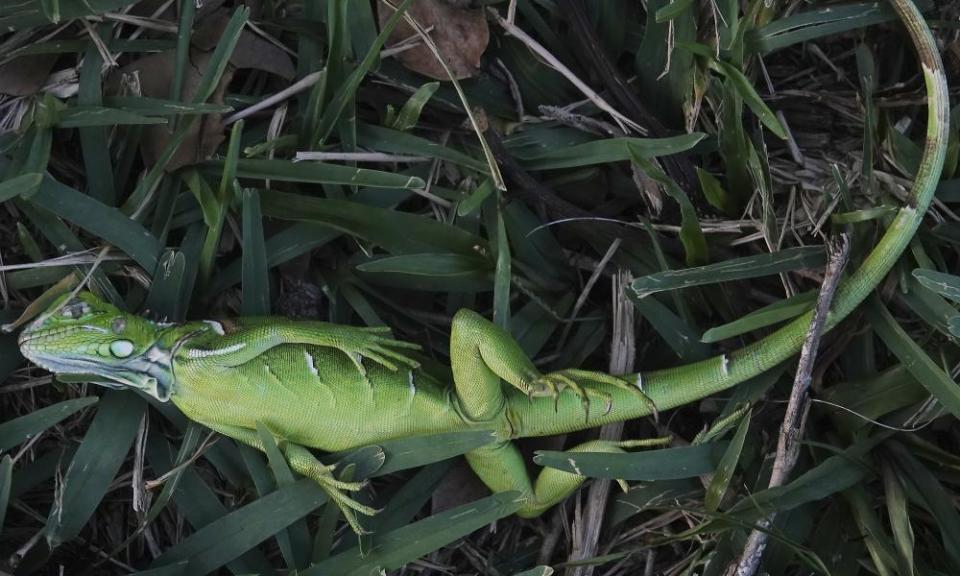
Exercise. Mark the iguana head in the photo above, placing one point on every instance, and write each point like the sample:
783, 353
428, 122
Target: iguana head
85, 335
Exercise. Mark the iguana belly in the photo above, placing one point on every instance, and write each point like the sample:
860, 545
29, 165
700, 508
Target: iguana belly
314, 396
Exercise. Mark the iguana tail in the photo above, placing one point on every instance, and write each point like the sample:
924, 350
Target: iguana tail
684, 384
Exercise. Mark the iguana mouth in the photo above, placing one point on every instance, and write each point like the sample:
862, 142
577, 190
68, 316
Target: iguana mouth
62, 364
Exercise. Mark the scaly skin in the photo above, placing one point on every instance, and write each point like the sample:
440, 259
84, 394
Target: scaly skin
316, 385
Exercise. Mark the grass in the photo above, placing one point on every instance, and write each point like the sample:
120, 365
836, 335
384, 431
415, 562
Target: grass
685, 162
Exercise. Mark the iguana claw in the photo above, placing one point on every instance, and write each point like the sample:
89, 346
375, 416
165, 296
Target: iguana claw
583, 383
360, 343
335, 489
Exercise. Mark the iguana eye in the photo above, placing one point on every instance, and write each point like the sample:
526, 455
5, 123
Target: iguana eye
121, 348
75, 309
119, 325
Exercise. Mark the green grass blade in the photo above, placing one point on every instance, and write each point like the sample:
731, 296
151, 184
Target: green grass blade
663, 464
691, 235
228, 537
476, 198
191, 439
396, 142
733, 269
899, 514
410, 498
502, 273
931, 493
418, 450
723, 475
96, 156
767, 316
295, 539
715, 193
103, 221
611, 150
916, 361
256, 282
38, 157
6, 480
302, 237
20, 184
33, 474
811, 24
94, 116
220, 58
397, 232
188, 11
161, 107
946, 285
28, 13
318, 173
96, 462
537, 571
348, 88
873, 397
283, 246
164, 298
931, 307
433, 272
208, 83
672, 10
679, 336
833, 475
19, 430
409, 115
199, 504
392, 550
750, 97
878, 545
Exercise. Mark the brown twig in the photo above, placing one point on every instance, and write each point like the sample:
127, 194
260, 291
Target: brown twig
788, 445
622, 355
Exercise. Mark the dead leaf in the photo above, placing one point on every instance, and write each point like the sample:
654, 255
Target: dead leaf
251, 51
461, 36
26, 75
154, 75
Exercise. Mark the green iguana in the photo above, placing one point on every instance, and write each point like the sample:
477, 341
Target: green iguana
333, 387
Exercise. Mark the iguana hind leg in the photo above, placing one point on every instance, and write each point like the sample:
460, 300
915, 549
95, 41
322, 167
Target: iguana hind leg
481, 354
501, 467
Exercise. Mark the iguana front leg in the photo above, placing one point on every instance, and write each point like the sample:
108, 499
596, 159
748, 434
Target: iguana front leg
303, 462
248, 340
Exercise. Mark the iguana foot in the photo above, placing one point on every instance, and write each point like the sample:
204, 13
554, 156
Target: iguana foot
585, 384
336, 491
360, 343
